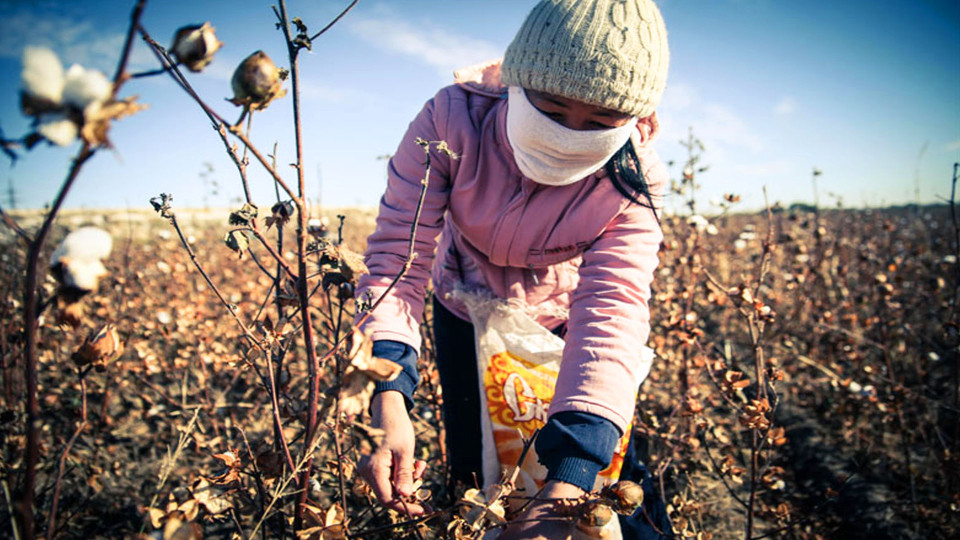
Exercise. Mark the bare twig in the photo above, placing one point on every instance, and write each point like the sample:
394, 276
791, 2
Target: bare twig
218, 122
196, 263
334, 21
14, 226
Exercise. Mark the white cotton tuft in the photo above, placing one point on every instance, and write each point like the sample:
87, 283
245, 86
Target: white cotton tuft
697, 221
85, 243
79, 256
83, 87
42, 75
57, 128
83, 275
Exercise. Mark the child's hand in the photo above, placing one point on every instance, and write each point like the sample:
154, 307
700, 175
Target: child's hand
390, 470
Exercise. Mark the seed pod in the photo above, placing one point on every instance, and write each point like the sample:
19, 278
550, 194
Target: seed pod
256, 82
100, 348
624, 496
195, 45
595, 519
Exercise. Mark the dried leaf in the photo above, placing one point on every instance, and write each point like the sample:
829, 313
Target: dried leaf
97, 121
243, 216
237, 241
212, 500
100, 348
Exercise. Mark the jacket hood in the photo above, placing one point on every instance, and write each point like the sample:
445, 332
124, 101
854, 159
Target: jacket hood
483, 78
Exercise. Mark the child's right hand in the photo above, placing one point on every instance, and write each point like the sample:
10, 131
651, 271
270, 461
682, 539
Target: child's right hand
391, 470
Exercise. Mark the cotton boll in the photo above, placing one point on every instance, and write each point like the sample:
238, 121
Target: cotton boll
194, 46
42, 75
77, 262
83, 87
57, 128
698, 222
83, 275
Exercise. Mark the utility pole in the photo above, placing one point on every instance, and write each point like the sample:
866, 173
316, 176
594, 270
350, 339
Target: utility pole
11, 194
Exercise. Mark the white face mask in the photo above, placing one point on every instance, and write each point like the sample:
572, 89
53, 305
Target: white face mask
551, 154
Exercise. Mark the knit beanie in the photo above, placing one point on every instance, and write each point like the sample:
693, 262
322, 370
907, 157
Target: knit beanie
609, 53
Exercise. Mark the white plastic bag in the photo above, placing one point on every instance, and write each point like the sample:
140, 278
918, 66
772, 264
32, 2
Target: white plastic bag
518, 361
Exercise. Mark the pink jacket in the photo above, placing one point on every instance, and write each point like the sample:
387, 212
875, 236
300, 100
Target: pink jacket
581, 250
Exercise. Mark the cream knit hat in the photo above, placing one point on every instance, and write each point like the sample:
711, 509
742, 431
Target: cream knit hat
609, 53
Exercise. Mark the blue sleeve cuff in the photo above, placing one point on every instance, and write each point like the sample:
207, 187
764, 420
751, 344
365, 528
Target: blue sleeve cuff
575, 446
403, 354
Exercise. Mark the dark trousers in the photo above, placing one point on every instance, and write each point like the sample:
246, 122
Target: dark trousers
457, 365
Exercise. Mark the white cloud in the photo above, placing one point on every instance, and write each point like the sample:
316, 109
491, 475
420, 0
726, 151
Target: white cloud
74, 40
786, 105
721, 128
722, 124
952, 146
312, 90
433, 46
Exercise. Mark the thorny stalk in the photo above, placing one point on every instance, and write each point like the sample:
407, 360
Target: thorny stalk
31, 329
303, 297
757, 326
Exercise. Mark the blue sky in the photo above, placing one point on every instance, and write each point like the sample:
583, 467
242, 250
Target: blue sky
868, 92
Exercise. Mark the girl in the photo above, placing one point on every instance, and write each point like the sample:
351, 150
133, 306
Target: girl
551, 203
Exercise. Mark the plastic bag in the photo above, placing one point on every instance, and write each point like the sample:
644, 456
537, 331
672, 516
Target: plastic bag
518, 361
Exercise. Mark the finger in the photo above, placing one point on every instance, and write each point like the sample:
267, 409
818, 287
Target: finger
403, 473
406, 508
377, 475
419, 466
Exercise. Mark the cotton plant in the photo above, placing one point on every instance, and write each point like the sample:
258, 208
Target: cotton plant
78, 261
701, 224
67, 104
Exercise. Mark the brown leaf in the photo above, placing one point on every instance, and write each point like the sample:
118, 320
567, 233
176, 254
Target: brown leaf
97, 122
211, 499
360, 352
232, 463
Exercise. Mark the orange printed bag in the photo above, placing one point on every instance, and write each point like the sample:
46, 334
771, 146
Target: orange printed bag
518, 361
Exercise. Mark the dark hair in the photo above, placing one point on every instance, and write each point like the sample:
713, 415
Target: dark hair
627, 176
